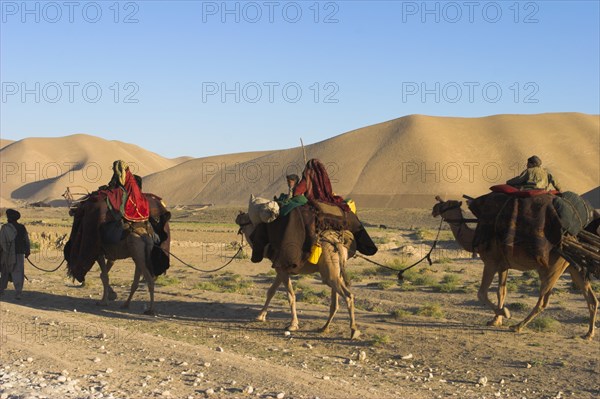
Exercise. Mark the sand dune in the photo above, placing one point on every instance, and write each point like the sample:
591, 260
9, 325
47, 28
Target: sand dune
6, 203
400, 163
4, 142
404, 162
40, 169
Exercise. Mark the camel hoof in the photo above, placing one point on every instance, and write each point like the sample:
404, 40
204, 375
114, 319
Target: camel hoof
588, 336
516, 328
355, 334
324, 330
101, 303
150, 312
261, 317
496, 322
292, 327
112, 296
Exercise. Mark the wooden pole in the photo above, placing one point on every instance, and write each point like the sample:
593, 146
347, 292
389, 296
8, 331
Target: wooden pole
303, 151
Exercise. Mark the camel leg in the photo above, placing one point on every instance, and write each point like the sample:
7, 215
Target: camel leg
349, 297
134, 287
486, 280
141, 255
150, 282
333, 308
112, 295
262, 316
292, 299
548, 280
331, 273
105, 281
592, 302
502, 290
500, 310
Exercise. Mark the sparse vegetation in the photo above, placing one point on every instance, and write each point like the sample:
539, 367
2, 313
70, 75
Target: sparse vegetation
241, 255
268, 275
381, 240
538, 363
353, 275
399, 314
518, 306
433, 310
419, 234
226, 282
382, 285
449, 283
512, 286
368, 271
426, 280
164, 280
306, 293
381, 340
529, 274
544, 324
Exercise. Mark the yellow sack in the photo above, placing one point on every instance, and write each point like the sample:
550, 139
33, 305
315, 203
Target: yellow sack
315, 254
352, 205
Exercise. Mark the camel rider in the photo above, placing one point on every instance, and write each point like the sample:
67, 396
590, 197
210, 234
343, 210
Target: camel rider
316, 185
534, 177
292, 182
125, 194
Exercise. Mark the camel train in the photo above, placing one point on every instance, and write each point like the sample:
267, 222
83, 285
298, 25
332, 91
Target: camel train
321, 234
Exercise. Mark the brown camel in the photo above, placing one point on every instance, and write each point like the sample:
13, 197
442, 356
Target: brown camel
137, 244
497, 261
331, 264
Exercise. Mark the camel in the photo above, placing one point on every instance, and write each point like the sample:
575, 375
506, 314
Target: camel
336, 247
496, 261
137, 244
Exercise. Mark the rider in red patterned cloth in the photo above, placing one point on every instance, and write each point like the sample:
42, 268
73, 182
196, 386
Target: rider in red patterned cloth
124, 194
315, 185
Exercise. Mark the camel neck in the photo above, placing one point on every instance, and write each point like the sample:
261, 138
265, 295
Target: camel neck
463, 234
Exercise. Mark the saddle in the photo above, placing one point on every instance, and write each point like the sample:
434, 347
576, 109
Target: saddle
332, 217
515, 192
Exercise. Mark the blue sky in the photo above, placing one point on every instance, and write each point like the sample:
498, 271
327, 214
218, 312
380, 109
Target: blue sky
203, 78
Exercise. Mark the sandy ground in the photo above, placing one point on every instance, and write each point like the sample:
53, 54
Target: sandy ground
421, 338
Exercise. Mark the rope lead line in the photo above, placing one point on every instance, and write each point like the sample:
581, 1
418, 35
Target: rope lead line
201, 270
206, 271
44, 270
401, 271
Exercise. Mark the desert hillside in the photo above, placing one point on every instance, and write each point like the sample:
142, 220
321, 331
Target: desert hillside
399, 163
40, 169
4, 142
404, 162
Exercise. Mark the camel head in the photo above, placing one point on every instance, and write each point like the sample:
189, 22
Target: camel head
444, 206
246, 226
242, 219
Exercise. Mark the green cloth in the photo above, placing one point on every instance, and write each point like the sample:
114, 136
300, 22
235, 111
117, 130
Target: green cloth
287, 205
534, 178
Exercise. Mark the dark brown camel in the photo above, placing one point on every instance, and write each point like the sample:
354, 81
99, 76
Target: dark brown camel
496, 261
86, 247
